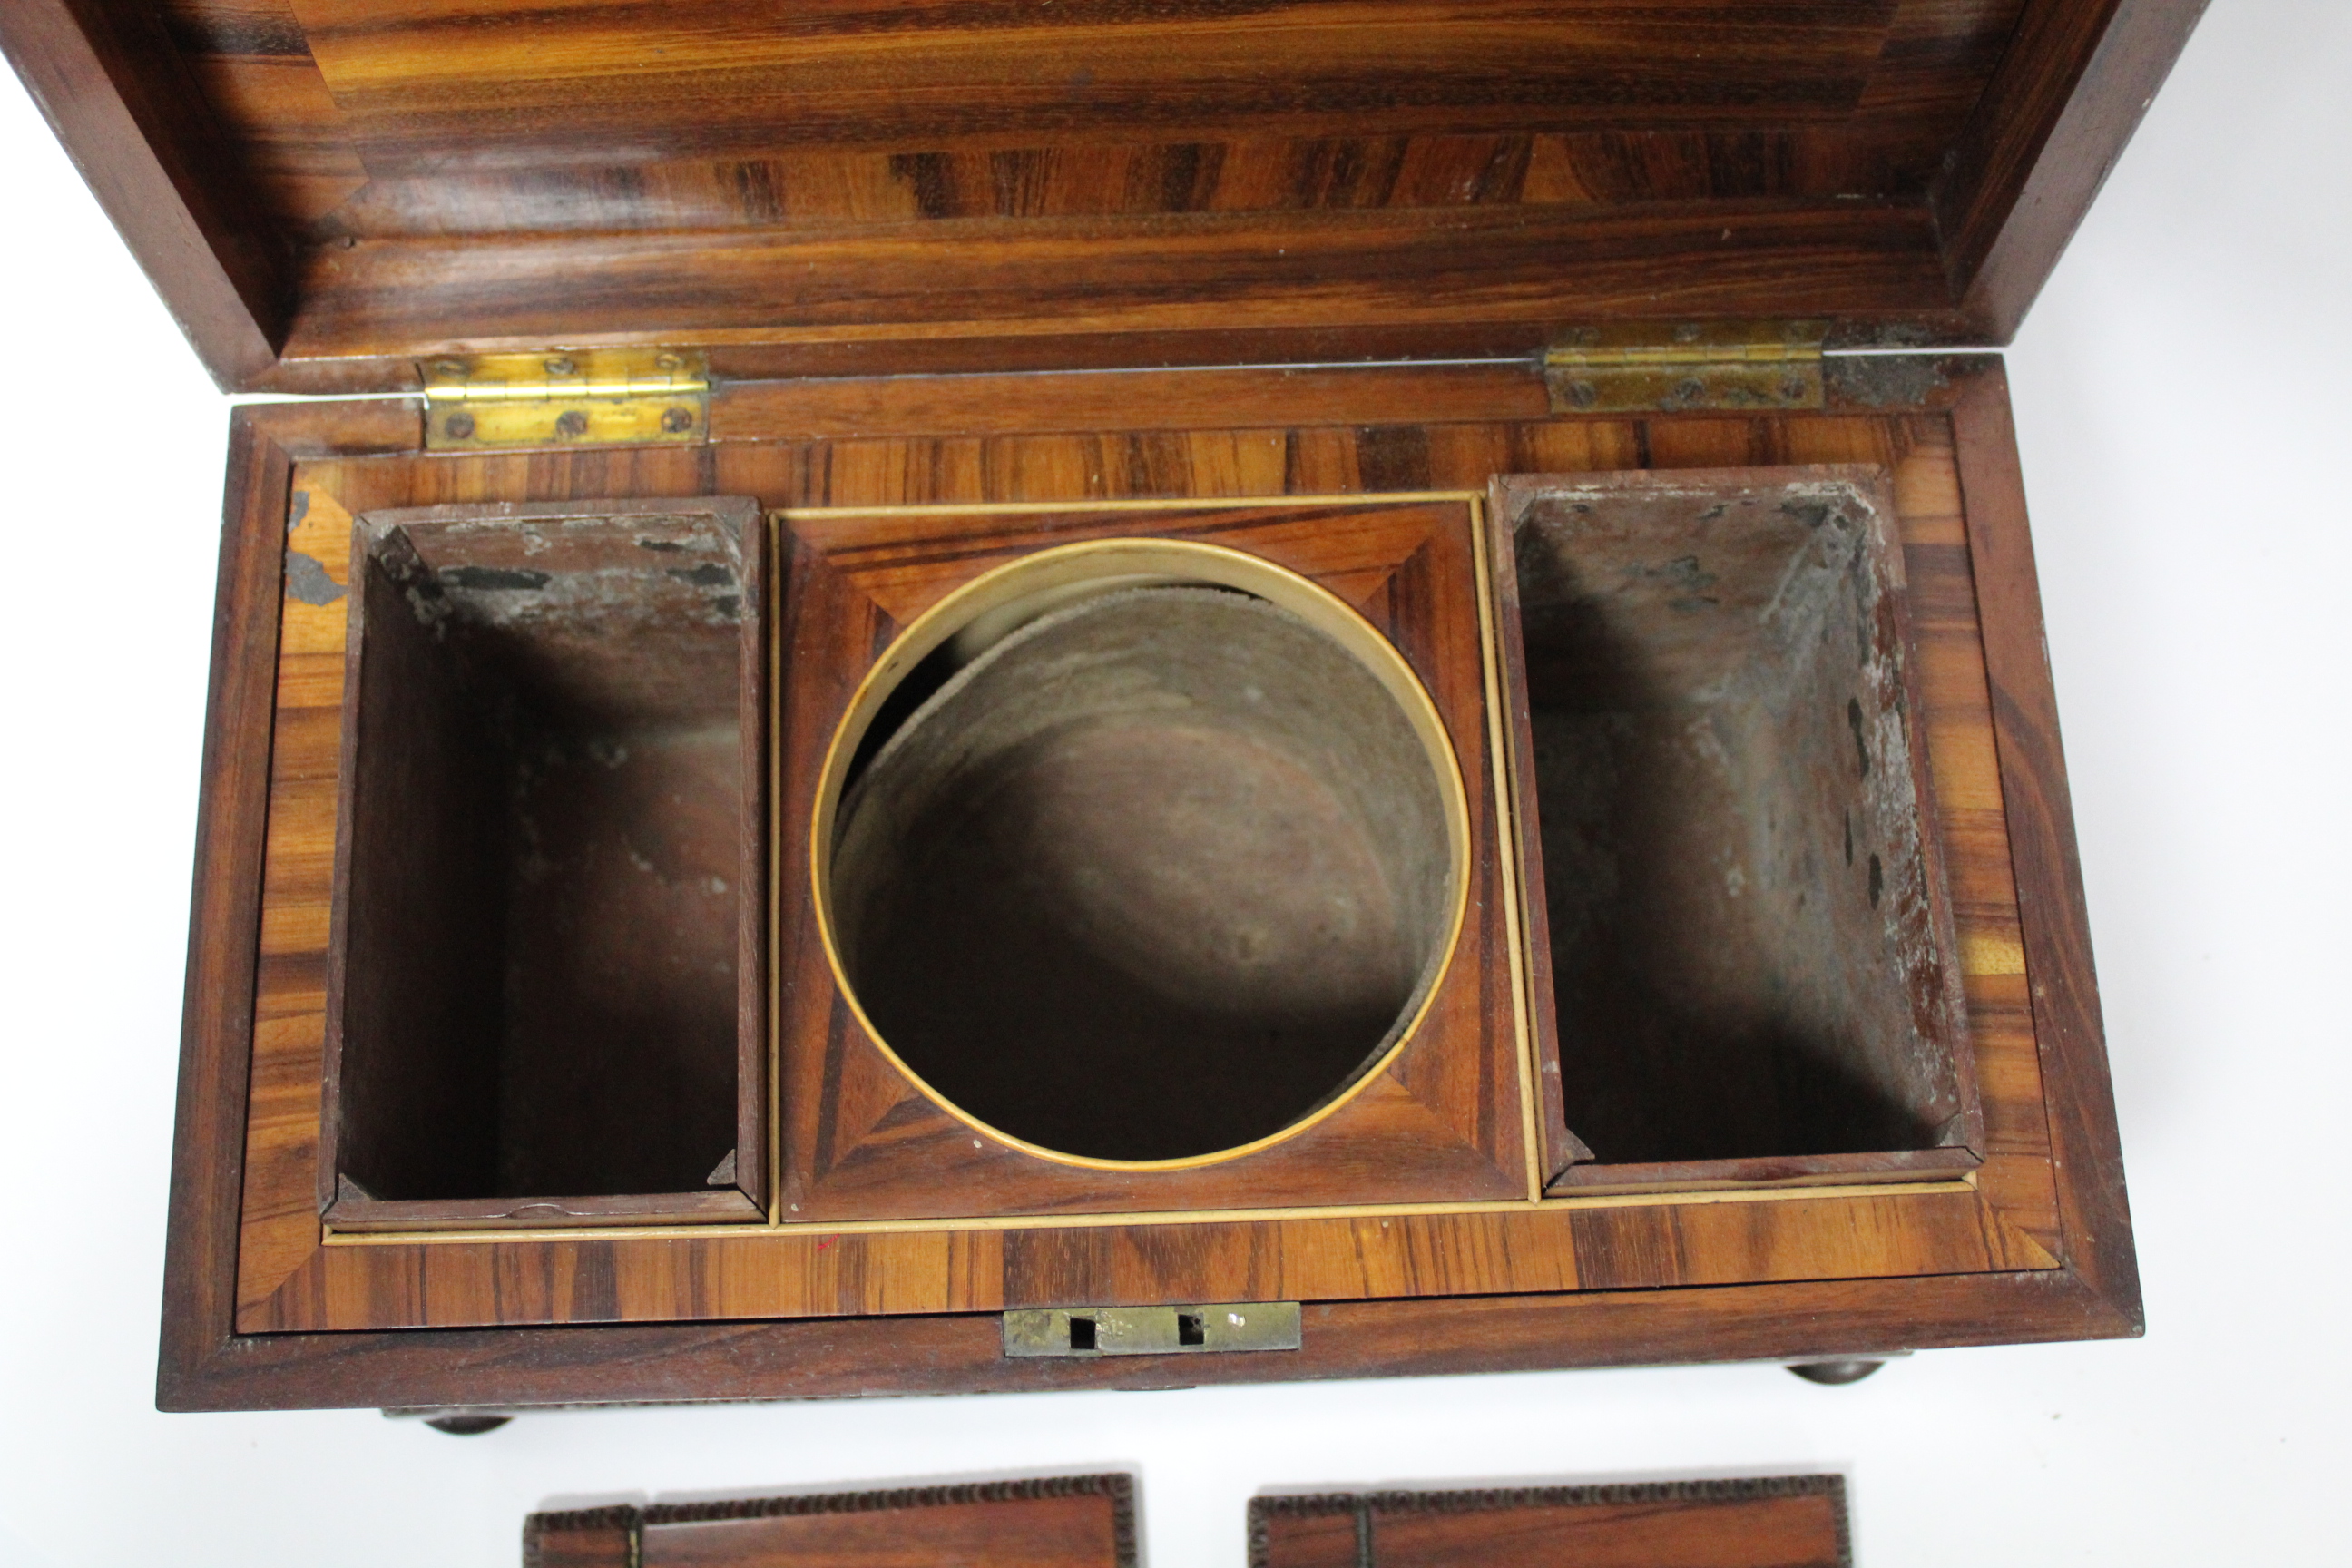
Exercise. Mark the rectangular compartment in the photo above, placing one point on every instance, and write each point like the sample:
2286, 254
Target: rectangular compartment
1742, 946
545, 974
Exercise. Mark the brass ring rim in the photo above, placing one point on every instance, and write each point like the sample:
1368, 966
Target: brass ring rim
1181, 560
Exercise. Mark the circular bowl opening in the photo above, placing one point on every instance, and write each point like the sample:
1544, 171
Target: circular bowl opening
1140, 852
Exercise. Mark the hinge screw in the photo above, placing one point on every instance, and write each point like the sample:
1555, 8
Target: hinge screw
559, 367
571, 423
1583, 394
461, 426
677, 420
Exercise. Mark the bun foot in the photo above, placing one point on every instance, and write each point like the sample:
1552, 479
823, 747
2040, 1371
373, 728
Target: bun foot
466, 1426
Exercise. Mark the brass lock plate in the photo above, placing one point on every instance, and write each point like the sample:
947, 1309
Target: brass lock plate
1151, 1330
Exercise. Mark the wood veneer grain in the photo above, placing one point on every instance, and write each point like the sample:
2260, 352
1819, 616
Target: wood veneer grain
217, 1020
509, 1368
1047, 1521
1911, 71
858, 1273
1476, 272
279, 127
848, 407
2023, 1227
2055, 936
418, 80
1441, 1121
1767, 1522
1052, 1522
326, 189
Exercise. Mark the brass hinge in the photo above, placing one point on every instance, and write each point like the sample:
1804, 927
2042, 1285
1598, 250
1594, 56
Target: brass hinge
1729, 365
589, 397
1151, 1330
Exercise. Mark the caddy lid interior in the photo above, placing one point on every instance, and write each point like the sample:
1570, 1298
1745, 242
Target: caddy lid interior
328, 192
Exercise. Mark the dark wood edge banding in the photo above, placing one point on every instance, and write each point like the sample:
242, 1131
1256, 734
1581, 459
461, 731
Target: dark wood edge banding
224, 912
2086, 1147
515, 1369
1560, 1147
1890, 1165
112, 84
631, 1521
2068, 94
611, 1516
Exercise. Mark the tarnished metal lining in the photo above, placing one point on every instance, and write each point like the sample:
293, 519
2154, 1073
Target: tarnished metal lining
1751, 944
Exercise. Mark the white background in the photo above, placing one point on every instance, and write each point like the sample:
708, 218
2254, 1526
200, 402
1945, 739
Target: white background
2182, 406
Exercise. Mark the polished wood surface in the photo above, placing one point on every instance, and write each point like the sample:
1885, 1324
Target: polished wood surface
2055, 924
1777, 1521
735, 124
2040, 1246
1442, 1121
425, 85
327, 189
1052, 1522
1070, 1522
818, 1358
1592, 1281
1479, 280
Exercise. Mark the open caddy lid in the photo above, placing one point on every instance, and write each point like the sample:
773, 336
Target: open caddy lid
327, 192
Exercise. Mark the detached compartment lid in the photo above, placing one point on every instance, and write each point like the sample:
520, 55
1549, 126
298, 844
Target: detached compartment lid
328, 192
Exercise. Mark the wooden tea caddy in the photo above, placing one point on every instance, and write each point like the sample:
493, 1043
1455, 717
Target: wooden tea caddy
1369, 297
